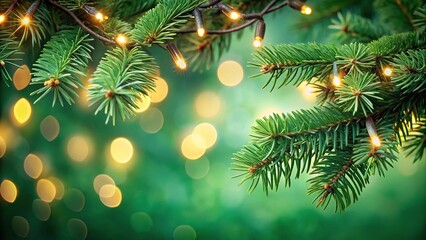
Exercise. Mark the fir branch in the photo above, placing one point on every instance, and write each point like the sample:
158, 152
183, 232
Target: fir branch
397, 14
355, 57
410, 72
420, 19
388, 46
121, 79
415, 145
9, 48
62, 62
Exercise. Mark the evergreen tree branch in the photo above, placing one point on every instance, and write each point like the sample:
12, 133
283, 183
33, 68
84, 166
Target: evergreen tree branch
9, 48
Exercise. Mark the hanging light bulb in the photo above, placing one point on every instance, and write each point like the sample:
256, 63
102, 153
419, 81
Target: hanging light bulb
300, 6
306, 10
336, 78
121, 39
2, 18
259, 33
176, 56
229, 11
387, 71
199, 22
372, 132
95, 13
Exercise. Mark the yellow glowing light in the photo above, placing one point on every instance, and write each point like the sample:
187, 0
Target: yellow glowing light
142, 103
181, 63
49, 128
25, 21
234, 15
2, 146
337, 81
99, 16
230, 73
152, 120
41, 210
2, 18
22, 77
207, 104
59, 186
201, 32
101, 180
22, 110
110, 195
387, 71
33, 166
20, 226
121, 39
257, 42
121, 150
160, 92
306, 10
190, 147
78, 148
208, 132
46, 190
8, 191
375, 141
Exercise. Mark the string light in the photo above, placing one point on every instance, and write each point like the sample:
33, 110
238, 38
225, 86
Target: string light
371, 129
229, 11
25, 21
336, 79
259, 33
121, 39
95, 13
387, 71
199, 23
176, 56
300, 6
2, 18
306, 10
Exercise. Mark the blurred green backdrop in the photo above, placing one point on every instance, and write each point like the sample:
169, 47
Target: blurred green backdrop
157, 193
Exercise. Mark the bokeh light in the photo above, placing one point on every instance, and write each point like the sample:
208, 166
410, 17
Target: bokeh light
22, 77
208, 132
110, 195
2, 146
79, 148
141, 222
142, 103
20, 226
22, 111
46, 190
197, 169
161, 90
8, 191
230, 73
77, 228
152, 120
308, 91
59, 186
33, 166
101, 180
184, 232
74, 200
207, 104
41, 210
49, 128
121, 150
193, 147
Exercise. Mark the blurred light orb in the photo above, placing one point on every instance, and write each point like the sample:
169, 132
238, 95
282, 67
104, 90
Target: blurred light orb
110, 195
2, 146
190, 147
152, 120
8, 191
208, 104
78, 148
59, 186
208, 132
33, 166
74, 199
46, 190
230, 73
22, 111
184, 232
41, 210
101, 180
142, 103
21, 77
141, 222
160, 92
308, 92
20, 226
121, 150
197, 169
77, 228
49, 128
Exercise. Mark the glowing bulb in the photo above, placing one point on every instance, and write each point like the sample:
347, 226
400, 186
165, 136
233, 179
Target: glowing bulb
99, 16
201, 32
387, 71
121, 39
25, 21
2, 18
257, 42
234, 15
306, 10
336, 81
180, 63
375, 141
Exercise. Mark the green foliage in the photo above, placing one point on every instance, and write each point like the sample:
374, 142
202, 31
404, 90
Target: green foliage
410, 71
355, 57
115, 26
121, 79
8, 51
420, 19
62, 63
74, 4
128, 9
416, 144
388, 46
397, 15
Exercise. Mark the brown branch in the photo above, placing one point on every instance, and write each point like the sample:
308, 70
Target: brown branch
10, 8
405, 12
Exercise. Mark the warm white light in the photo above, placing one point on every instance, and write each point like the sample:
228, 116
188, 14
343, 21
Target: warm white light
25, 21
387, 71
180, 63
337, 81
257, 42
375, 141
99, 16
201, 32
234, 15
306, 10
2, 18
121, 39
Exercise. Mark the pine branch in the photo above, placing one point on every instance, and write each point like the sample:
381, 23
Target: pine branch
397, 14
9, 48
121, 79
410, 72
420, 19
415, 145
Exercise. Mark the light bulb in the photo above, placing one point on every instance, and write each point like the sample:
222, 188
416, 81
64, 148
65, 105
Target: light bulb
387, 71
337, 81
121, 39
306, 10
176, 56
229, 11
201, 32
257, 42
25, 21
375, 141
180, 63
99, 16
234, 15
2, 18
